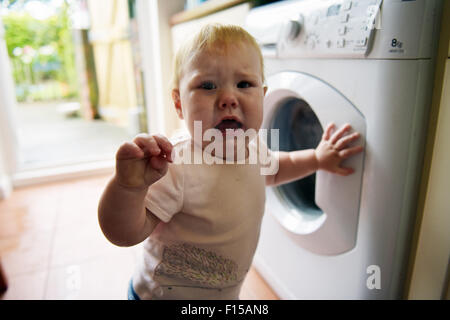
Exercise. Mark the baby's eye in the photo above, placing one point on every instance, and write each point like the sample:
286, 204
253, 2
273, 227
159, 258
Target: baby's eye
208, 85
244, 84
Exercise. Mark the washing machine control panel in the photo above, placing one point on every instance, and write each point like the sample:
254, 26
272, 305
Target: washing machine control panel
333, 28
375, 29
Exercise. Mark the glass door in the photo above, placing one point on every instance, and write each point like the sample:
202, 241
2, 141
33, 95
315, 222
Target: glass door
320, 210
77, 96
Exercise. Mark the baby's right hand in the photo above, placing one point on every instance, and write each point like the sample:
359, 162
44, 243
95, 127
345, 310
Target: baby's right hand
144, 161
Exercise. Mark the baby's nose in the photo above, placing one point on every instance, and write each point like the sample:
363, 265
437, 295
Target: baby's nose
228, 99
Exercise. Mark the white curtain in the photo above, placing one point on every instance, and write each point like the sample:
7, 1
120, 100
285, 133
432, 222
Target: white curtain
8, 124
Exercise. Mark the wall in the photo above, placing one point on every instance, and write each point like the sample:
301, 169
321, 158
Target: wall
156, 46
429, 267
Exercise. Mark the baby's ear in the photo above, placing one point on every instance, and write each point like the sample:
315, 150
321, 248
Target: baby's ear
177, 102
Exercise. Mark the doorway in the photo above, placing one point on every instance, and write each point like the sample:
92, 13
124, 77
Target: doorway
76, 90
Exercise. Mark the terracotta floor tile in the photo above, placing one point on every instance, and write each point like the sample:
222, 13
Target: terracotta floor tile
258, 287
29, 286
26, 253
79, 242
24, 215
104, 278
77, 212
247, 293
12, 221
26, 212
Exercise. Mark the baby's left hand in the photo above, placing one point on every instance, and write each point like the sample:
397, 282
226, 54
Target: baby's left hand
333, 149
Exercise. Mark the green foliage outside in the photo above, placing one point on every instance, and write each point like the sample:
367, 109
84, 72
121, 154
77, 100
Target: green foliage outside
42, 55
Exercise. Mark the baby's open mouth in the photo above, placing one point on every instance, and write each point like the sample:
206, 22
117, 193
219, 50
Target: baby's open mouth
229, 124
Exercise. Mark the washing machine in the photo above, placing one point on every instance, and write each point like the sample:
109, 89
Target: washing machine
369, 63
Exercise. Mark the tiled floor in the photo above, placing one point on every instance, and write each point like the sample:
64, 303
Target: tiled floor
51, 246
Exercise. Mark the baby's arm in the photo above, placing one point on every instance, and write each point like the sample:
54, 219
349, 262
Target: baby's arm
328, 155
122, 215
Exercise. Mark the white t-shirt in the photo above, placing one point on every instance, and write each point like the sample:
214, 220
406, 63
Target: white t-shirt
204, 246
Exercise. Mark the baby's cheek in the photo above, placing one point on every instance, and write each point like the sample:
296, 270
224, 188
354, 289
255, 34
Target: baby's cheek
200, 121
257, 116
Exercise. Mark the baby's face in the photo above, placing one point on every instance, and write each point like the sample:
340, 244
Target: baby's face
223, 89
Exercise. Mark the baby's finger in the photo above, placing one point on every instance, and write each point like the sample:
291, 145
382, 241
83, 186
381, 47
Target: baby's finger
347, 153
326, 135
129, 150
343, 142
165, 146
338, 134
344, 171
159, 163
148, 144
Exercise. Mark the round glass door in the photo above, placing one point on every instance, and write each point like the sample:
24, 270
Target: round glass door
320, 210
299, 129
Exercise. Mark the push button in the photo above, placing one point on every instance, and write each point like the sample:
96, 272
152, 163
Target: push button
311, 44
341, 43
347, 5
371, 10
344, 17
361, 42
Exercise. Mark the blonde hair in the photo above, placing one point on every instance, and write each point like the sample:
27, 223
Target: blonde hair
208, 38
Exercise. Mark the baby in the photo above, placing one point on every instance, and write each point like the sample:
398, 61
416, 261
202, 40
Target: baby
200, 222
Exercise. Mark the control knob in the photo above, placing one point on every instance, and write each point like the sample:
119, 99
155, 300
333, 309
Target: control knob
292, 28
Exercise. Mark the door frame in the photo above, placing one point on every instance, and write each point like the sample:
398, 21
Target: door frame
8, 121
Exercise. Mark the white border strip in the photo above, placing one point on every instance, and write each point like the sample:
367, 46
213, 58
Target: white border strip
26, 178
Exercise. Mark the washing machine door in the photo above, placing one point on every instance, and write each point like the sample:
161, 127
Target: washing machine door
320, 211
